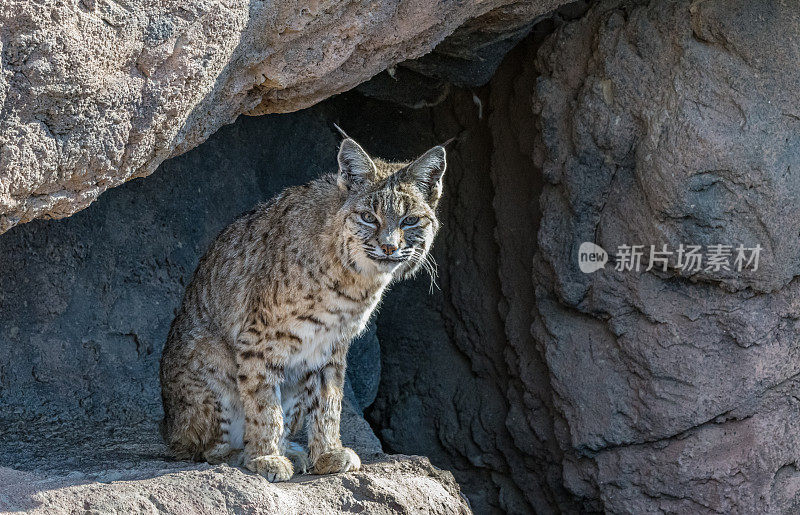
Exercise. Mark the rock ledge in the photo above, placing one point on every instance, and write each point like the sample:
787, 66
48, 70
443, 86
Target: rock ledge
388, 484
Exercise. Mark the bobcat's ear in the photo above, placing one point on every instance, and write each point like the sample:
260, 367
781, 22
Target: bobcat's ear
356, 169
427, 172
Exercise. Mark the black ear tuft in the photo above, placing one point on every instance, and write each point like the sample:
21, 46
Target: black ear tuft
356, 169
426, 173
344, 134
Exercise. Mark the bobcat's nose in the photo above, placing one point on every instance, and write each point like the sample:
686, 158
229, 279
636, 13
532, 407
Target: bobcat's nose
388, 248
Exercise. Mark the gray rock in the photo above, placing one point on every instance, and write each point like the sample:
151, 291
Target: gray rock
386, 486
667, 123
470, 56
94, 93
364, 367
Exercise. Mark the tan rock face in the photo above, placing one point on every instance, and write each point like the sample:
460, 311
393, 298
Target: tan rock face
96, 92
396, 484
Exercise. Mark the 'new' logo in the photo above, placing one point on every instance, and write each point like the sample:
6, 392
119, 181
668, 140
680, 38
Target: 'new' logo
591, 257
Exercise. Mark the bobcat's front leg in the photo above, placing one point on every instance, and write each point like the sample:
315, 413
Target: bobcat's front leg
325, 410
258, 383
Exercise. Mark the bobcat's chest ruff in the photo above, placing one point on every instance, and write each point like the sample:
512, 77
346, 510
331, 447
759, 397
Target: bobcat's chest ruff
335, 320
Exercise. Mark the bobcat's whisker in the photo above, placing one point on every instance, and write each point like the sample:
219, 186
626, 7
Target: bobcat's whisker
427, 262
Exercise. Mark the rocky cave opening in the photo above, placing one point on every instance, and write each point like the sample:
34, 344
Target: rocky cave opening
87, 301
540, 388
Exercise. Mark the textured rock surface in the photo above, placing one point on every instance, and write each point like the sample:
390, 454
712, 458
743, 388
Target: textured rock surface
470, 56
389, 485
675, 122
127, 470
95, 92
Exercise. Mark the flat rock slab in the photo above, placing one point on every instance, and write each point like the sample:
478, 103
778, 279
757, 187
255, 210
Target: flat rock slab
389, 484
69, 466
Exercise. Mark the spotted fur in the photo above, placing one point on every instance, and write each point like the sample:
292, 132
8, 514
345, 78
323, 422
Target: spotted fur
260, 342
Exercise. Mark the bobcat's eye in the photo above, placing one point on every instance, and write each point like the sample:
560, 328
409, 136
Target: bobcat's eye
368, 217
410, 220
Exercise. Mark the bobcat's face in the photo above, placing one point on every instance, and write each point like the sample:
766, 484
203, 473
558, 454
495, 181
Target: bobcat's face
394, 229
390, 217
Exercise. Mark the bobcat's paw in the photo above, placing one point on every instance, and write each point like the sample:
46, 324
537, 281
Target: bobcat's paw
224, 453
273, 467
298, 456
337, 460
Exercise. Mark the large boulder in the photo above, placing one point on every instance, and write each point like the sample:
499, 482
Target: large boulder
96, 92
668, 123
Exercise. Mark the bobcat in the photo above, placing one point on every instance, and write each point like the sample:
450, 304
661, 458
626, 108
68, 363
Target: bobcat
260, 341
